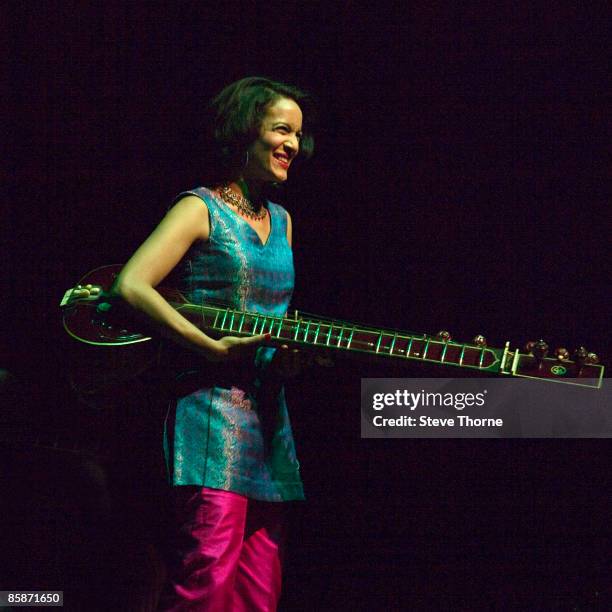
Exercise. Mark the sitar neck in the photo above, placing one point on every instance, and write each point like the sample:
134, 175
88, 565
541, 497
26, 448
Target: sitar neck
312, 332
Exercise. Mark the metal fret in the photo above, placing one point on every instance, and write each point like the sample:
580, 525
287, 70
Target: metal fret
348, 346
393, 344
280, 327
444, 352
307, 330
482, 355
515, 362
317, 333
241, 322
297, 330
409, 347
426, 348
379, 341
281, 323
462, 354
331, 329
224, 318
340, 336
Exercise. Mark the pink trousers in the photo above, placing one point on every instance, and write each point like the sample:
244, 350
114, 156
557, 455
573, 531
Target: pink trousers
230, 553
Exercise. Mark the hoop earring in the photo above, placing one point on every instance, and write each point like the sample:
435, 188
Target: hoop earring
246, 160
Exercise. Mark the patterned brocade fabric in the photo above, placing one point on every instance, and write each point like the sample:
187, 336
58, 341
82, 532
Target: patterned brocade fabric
234, 433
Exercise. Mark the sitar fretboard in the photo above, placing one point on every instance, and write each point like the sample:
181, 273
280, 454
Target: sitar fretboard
312, 332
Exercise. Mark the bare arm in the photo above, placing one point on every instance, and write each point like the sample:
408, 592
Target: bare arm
289, 230
183, 225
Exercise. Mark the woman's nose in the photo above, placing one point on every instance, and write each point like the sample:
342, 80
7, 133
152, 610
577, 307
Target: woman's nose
292, 143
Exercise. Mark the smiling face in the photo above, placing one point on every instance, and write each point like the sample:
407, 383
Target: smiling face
271, 154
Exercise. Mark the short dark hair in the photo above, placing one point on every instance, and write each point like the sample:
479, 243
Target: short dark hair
237, 113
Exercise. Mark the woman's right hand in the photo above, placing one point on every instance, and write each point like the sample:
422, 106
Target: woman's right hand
232, 348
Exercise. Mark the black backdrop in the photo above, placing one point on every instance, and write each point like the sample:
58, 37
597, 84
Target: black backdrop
459, 182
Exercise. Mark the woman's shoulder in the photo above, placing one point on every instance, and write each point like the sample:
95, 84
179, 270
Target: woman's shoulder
205, 194
277, 209
280, 213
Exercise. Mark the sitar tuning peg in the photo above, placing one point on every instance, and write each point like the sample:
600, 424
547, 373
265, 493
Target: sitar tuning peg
540, 350
480, 340
562, 354
581, 355
93, 289
444, 336
529, 347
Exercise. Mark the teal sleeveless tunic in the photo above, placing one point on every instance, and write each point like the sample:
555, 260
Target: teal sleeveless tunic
232, 433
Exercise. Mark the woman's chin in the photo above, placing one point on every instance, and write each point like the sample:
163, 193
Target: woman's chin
280, 177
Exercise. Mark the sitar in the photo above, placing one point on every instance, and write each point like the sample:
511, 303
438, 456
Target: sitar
92, 317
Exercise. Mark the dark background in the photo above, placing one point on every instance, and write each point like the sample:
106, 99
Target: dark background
459, 182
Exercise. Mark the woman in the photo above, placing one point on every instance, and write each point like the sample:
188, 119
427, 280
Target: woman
228, 443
